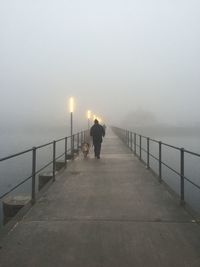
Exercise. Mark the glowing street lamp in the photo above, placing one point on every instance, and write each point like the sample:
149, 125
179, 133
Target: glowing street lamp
89, 117
71, 104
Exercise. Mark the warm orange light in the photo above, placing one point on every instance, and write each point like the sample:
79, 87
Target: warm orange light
71, 104
89, 114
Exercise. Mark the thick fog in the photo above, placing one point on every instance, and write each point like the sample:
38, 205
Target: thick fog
126, 61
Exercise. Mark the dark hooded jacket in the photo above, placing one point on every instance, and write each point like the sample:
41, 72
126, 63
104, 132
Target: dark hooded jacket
97, 131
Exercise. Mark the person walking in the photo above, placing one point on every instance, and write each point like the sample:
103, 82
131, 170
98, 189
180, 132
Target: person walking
97, 132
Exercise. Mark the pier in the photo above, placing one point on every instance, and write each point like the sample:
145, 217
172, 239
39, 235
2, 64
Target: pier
111, 212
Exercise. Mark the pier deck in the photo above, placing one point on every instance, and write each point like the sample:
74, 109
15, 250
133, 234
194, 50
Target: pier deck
110, 212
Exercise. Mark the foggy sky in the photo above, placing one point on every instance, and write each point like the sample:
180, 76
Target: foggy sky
114, 57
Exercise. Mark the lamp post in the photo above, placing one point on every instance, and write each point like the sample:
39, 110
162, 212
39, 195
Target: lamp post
71, 104
89, 116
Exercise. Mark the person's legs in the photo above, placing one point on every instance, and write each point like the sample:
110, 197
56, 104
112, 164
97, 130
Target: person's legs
98, 150
95, 149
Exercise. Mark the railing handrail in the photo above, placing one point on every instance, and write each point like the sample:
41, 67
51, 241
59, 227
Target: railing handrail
163, 143
37, 147
126, 133
34, 149
16, 154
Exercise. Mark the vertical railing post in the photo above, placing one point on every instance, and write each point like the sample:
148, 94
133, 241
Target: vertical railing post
182, 189
72, 149
147, 152
135, 143
78, 141
54, 161
71, 146
160, 161
131, 141
128, 138
65, 152
125, 136
81, 137
140, 147
33, 175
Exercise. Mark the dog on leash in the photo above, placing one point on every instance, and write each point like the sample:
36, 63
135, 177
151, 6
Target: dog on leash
85, 147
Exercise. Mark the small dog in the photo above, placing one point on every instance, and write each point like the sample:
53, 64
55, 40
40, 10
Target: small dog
85, 147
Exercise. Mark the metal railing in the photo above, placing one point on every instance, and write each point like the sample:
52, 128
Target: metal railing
73, 147
130, 138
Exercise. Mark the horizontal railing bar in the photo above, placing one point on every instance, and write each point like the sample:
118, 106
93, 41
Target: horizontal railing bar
153, 156
196, 185
180, 174
142, 149
155, 141
137, 134
37, 147
163, 163
61, 139
15, 187
170, 168
175, 147
15, 155
192, 153
60, 156
48, 164
44, 167
41, 146
31, 150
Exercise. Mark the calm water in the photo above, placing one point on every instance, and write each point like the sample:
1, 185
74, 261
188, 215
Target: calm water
16, 170
171, 157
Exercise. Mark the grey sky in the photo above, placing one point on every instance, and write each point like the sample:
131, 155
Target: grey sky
113, 56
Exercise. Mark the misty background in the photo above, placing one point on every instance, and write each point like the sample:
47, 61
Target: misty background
134, 63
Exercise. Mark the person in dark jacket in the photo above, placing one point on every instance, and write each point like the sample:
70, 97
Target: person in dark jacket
97, 132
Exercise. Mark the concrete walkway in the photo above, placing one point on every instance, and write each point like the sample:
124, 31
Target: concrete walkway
110, 212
